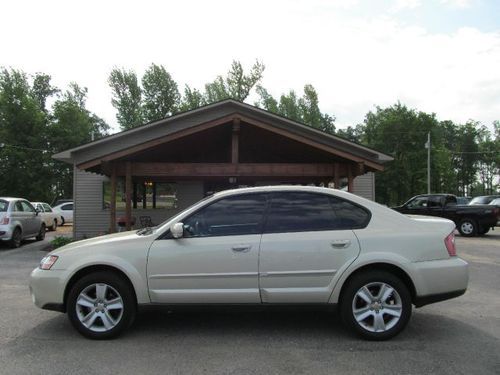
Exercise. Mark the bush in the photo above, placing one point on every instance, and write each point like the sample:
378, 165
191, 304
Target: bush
60, 241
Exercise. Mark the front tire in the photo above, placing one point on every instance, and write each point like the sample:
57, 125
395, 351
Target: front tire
41, 233
376, 305
467, 227
101, 305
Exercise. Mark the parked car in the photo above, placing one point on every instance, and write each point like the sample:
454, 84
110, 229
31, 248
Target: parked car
483, 199
471, 220
19, 220
49, 217
58, 202
64, 212
496, 202
263, 246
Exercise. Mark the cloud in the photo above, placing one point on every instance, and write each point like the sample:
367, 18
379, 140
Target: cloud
405, 4
458, 3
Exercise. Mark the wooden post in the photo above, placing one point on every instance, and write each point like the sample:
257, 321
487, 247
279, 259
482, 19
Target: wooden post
128, 194
134, 194
112, 206
144, 198
350, 179
235, 141
336, 175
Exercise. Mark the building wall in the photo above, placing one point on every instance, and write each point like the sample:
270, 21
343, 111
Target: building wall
91, 220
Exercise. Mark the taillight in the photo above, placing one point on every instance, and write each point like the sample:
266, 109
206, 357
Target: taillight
449, 242
5, 220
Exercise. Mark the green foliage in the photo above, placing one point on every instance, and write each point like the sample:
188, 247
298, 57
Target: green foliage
127, 98
161, 96
60, 241
304, 109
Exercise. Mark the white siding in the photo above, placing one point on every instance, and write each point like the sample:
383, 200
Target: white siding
364, 186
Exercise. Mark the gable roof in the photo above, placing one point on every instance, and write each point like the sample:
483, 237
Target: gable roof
212, 112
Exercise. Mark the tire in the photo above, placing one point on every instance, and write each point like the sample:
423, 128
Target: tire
17, 238
483, 231
62, 221
41, 233
467, 227
380, 319
53, 227
104, 323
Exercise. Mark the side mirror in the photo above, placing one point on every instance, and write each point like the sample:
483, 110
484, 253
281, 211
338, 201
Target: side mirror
177, 230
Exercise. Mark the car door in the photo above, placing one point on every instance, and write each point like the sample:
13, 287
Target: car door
67, 212
303, 247
216, 261
31, 223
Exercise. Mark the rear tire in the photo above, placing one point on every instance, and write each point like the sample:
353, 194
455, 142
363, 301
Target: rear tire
376, 305
17, 237
89, 303
468, 227
54, 226
483, 231
41, 233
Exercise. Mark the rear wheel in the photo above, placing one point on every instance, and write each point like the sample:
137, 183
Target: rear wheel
101, 305
483, 231
53, 227
376, 305
17, 237
467, 227
41, 233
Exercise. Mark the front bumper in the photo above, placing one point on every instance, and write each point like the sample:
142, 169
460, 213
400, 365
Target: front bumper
439, 280
47, 289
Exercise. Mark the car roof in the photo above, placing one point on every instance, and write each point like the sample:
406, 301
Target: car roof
11, 199
39, 203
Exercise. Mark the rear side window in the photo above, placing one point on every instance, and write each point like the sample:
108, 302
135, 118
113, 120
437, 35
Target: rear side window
67, 207
236, 215
4, 205
299, 212
348, 215
18, 206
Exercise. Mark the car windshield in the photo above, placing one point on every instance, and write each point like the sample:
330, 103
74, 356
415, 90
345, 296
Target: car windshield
3, 205
495, 202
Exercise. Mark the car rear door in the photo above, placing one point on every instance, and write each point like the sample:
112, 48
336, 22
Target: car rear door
304, 246
217, 259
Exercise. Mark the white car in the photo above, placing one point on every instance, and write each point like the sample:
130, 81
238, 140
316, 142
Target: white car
64, 212
49, 217
292, 245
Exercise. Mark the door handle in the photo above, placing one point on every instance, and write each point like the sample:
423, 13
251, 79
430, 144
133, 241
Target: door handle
241, 248
341, 244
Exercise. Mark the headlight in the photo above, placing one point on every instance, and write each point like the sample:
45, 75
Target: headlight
47, 262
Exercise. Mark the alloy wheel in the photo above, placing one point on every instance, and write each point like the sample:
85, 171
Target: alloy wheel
377, 307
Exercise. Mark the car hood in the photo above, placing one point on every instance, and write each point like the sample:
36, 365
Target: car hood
97, 241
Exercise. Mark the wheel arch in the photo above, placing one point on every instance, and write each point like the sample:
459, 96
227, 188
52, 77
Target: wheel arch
381, 266
96, 268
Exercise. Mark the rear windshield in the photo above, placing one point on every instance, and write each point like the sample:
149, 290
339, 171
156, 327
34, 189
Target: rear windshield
3, 205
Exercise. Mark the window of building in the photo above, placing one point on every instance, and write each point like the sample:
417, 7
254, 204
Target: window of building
145, 195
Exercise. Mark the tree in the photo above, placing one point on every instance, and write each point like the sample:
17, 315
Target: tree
127, 98
42, 89
161, 96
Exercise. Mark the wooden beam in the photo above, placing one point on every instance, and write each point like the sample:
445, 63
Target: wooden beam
128, 195
228, 170
235, 141
336, 175
156, 142
112, 204
350, 179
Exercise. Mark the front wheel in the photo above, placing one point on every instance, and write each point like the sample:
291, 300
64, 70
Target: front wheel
54, 225
376, 305
41, 233
467, 228
101, 305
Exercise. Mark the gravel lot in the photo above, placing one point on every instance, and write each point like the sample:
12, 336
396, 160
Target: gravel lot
460, 336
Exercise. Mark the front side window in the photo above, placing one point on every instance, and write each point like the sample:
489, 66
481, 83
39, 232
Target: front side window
420, 202
299, 212
236, 215
47, 208
39, 207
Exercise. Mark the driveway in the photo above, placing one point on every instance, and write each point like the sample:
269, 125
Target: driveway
460, 336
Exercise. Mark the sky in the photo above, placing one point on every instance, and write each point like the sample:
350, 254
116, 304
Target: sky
440, 56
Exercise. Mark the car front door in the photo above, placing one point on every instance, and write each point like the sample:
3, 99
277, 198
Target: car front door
216, 261
304, 247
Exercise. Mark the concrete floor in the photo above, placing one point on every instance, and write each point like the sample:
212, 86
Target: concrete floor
460, 336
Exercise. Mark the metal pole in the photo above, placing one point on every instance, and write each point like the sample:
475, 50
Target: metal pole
429, 163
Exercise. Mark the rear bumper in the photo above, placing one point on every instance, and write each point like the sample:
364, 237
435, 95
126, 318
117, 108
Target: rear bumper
439, 280
5, 232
